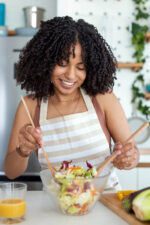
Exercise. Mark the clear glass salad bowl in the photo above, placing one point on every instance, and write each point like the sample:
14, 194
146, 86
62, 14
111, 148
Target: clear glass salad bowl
74, 196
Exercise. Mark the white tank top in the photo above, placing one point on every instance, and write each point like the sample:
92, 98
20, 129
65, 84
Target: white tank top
77, 137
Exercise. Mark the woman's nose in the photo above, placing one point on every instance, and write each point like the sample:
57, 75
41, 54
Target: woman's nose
70, 73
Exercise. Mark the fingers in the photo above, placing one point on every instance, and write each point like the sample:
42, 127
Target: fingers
30, 138
128, 157
34, 135
118, 146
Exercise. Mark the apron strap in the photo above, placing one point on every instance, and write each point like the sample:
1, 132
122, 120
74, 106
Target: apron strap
102, 120
43, 110
37, 113
37, 117
87, 101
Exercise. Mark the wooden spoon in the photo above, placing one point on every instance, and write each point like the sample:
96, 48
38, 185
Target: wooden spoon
114, 154
43, 150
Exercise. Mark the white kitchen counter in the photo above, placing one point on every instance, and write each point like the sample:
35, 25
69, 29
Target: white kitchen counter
40, 210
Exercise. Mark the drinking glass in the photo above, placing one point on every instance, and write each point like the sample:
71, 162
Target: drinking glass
12, 202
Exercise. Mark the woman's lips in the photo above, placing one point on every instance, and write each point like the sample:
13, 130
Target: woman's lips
67, 84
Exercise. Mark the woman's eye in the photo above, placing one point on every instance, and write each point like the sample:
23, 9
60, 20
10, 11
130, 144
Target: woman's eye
63, 64
80, 68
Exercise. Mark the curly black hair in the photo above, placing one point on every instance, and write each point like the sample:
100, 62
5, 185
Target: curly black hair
52, 44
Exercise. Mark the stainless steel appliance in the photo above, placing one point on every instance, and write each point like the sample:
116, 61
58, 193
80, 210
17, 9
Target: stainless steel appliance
10, 48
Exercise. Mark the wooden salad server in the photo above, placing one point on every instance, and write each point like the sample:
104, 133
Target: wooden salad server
43, 150
110, 158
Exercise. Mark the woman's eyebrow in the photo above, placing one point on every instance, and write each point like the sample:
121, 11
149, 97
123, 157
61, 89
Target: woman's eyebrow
80, 63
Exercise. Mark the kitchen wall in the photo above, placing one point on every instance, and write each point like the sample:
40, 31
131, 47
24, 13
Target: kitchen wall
14, 12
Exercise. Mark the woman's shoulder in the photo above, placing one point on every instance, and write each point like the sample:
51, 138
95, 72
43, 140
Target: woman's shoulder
31, 103
106, 101
31, 99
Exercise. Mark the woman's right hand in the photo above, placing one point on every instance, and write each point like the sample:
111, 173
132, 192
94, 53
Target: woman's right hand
30, 139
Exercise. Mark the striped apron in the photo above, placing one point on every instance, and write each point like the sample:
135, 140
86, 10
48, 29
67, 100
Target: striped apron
77, 137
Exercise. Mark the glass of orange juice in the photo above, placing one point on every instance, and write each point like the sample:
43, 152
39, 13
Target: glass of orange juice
12, 201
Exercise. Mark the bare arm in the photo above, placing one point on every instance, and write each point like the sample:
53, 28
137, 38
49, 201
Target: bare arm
27, 139
119, 129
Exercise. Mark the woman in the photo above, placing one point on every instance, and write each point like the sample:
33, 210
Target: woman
70, 71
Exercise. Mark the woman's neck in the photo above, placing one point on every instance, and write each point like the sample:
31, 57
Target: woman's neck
58, 97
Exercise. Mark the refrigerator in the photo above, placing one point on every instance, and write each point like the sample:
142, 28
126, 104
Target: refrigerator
10, 48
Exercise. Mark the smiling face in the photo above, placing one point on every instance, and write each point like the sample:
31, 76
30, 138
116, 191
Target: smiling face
67, 77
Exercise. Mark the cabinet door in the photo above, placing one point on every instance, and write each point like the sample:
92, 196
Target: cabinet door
143, 177
144, 173
10, 48
127, 179
10, 93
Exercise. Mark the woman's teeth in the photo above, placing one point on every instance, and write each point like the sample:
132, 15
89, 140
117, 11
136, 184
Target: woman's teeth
68, 83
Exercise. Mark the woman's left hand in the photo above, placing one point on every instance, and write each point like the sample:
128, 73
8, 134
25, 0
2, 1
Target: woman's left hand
128, 158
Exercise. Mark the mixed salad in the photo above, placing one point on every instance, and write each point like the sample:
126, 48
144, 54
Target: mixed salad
74, 188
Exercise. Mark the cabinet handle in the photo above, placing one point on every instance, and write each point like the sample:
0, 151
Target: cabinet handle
144, 165
17, 50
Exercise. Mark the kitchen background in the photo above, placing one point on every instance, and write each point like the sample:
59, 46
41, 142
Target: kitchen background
111, 17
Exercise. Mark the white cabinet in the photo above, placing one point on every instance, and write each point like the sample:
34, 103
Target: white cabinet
137, 178
128, 179
144, 173
10, 48
143, 177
